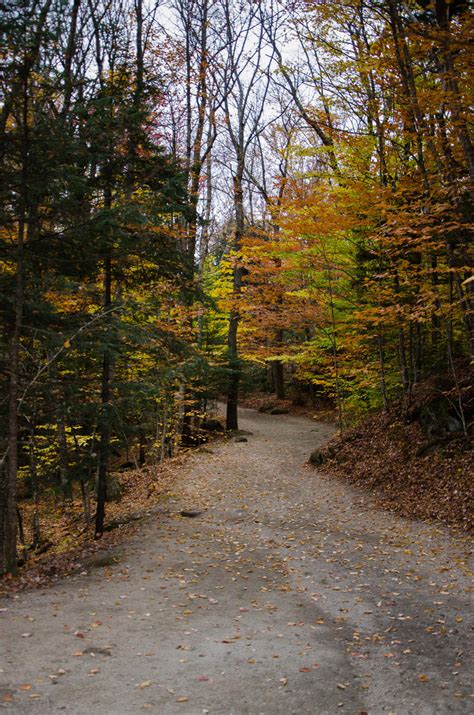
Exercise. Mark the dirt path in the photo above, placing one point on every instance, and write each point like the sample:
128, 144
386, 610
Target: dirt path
287, 595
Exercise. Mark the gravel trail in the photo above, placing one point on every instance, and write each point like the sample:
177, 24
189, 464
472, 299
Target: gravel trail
289, 593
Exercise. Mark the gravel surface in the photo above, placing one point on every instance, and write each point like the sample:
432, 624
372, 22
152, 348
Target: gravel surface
289, 593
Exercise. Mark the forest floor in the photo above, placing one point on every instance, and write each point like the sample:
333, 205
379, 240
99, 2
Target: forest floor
288, 593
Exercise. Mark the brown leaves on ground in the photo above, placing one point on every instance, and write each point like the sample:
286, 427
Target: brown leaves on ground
72, 542
407, 471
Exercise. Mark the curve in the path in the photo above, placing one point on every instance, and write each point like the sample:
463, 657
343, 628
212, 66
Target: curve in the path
289, 594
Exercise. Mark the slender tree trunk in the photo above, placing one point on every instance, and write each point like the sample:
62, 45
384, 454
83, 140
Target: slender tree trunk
134, 128
63, 459
334, 352
104, 425
449, 346
35, 522
279, 379
68, 58
234, 318
164, 431
8, 489
234, 373
8, 484
204, 238
381, 351
402, 357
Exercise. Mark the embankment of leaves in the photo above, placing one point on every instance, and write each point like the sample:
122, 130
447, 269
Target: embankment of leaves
71, 547
411, 465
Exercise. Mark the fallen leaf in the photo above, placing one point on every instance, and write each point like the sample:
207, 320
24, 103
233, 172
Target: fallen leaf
25, 686
145, 684
182, 699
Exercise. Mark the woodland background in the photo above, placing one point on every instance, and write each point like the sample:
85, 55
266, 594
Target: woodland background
207, 196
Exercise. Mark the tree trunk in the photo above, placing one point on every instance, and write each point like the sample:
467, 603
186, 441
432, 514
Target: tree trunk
381, 351
234, 373
104, 425
232, 346
8, 483
35, 522
334, 351
278, 379
66, 486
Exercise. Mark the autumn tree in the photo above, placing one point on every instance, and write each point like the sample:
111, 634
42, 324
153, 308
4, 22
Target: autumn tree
90, 213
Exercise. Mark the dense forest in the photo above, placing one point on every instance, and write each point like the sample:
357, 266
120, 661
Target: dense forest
201, 196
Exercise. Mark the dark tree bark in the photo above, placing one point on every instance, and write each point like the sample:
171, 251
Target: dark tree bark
104, 423
8, 484
232, 342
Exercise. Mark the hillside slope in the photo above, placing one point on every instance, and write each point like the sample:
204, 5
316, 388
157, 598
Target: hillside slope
417, 458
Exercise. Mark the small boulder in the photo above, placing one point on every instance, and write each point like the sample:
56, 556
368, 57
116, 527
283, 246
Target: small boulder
316, 458
114, 489
266, 406
278, 411
190, 513
437, 418
212, 425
